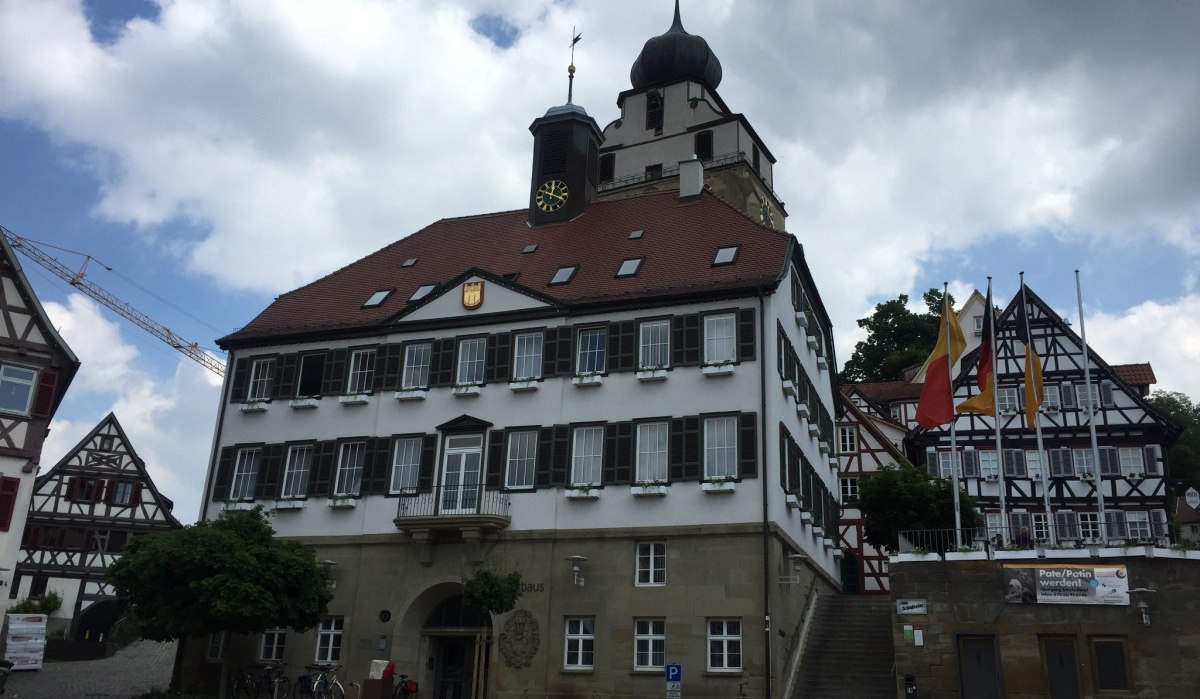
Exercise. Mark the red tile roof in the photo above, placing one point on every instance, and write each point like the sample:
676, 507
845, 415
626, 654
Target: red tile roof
886, 391
1135, 374
679, 243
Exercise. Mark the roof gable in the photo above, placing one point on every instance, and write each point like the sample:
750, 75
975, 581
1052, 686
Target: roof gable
495, 295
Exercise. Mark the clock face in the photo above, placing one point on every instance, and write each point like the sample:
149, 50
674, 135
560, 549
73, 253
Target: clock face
551, 195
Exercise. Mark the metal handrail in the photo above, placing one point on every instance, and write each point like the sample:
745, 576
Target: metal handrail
453, 501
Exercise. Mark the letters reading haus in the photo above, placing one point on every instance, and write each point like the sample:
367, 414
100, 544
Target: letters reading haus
623, 391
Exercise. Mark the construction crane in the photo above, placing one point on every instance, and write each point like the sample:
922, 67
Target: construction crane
143, 321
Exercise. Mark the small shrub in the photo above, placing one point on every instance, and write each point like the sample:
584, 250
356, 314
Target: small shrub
46, 604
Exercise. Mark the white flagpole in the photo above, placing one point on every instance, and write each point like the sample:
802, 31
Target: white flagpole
990, 316
1091, 412
947, 309
1037, 424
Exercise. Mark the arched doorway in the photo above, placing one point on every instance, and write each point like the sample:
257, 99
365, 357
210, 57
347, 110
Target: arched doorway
96, 621
459, 646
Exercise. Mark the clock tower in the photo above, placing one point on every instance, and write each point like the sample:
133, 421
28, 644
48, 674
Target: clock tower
566, 164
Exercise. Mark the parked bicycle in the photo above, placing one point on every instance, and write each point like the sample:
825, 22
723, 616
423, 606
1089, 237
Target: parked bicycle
265, 681
405, 688
320, 682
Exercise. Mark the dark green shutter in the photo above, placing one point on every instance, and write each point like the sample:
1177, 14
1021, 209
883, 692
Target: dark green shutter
545, 457
745, 335
441, 363
550, 353
692, 353
224, 475
389, 364
624, 470
748, 445
609, 468
376, 466
675, 449
428, 462
334, 381
320, 481
784, 460
622, 346
564, 355
560, 464
495, 460
269, 469
237, 389
285, 376
499, 354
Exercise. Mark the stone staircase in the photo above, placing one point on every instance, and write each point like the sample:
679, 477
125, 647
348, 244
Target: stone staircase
848, 652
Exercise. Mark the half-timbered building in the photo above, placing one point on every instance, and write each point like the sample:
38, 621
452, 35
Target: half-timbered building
82, 513
628, 399
36, 367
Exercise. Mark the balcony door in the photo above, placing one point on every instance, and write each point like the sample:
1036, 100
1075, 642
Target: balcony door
461, 470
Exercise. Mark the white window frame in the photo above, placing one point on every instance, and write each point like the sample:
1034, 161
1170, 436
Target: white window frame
17, 382
1089, 525
521, 463
1033, 463
989, 463
847, 439
649, 644
653, 442
721, 447
416, 366
720, 339
270, 648
360, 378
472, 361
124, 493
579, 643
592, 354
587, 455
245, 473
1051, 396
259, 386
406, 465
1041, 526
527, 356
650, 566
946, 461
302, 374
351, 457
1137, 525
1085, 462
1131, 459
296, 470
216, 647
329, 640
654, 344
724, 645
848, 486
1006, 399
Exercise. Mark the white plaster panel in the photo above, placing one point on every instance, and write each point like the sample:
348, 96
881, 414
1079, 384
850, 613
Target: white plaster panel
11, 296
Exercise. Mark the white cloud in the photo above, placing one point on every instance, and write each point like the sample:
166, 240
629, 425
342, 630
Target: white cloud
1165, 334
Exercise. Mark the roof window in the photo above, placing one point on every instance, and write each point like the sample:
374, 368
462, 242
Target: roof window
635, 235
529, 248
563, 275
377, 298
726, 255
630, 267
422, 291
409, 262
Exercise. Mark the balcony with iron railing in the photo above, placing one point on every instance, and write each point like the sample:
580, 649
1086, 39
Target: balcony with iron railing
469, 506
1048, 540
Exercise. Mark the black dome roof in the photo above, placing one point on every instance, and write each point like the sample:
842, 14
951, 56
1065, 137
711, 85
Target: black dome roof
676, 55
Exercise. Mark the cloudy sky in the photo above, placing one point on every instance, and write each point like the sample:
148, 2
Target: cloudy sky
215, 154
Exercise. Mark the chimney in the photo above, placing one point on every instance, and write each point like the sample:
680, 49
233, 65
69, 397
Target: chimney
691, 179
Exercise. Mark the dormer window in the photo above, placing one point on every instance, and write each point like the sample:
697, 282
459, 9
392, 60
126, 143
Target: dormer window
630, 267
409, 262
378, 298
422, 291
726, 255
563, 275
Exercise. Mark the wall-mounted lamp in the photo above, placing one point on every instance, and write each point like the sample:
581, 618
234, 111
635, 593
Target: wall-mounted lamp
328, 566
797, 561
577, 569
1142, 605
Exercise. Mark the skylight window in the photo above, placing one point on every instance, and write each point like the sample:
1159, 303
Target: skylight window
564, 274
377, 298
630, 267
726, 255
422, 291
634, 235
529, 248
409, 262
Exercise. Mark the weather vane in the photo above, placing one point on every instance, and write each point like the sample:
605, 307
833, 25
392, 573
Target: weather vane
571, 68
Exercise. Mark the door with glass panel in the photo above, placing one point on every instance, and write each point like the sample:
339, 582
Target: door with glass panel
461, 468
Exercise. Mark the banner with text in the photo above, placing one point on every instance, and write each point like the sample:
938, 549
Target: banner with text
1041, 583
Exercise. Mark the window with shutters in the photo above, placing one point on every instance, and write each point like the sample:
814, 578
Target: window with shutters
8, 500
310, 373
471, 361
720, 339
654, 345
329, 640
1051, 400
587, 455
259, 387
522, 459
295, 472
16, 388
724, 645
945, 462
406, 465
1094, 395
1153, 464
720, 447
1131, 460
245, 473
847, 439
651, 452
527, 356
593, 345
580, 642
1033, 463
1060, 462
1089, 525
989, 465
704, 145
649, 644
1138, 525
416, 366
361, 377
651, 569
122, 492
1085, 462
271, 647
350, 468
1006, 400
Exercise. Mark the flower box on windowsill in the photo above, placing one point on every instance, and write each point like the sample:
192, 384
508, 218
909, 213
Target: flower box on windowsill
411, 394
818, 530
238, 505
468, 391
823, 446
290, 504
833, 462
822, 363
354, 399
805, 516
303, 403
343, 502
648, 489
646, 375
523, 385
812, 342
582, 493
802, 319
794, 501
720, 369
789, 387
814, 429
802, 410
827, 542
255, 406
587, 380
718, 486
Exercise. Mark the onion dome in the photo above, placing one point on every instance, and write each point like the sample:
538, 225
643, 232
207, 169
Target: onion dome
675, 56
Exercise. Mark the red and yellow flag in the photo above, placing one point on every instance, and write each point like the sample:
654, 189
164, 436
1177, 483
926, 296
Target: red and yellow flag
984, 402
937, 398
1034, 390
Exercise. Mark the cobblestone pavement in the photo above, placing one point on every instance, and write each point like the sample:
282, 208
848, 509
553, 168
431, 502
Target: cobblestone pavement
140, 667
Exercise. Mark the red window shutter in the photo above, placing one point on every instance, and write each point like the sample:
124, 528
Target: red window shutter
43, 402
136, 497
110, 492
72, 484
98, 492
8, 500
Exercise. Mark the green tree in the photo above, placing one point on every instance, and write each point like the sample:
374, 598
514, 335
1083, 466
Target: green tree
903, 497
229, 575
1183, 458
897, 339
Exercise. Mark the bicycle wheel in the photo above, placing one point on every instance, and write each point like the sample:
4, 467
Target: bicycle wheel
281, 689
336, 691
302, 690
320, 688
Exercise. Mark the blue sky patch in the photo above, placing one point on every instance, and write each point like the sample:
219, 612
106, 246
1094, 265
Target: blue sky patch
496, 28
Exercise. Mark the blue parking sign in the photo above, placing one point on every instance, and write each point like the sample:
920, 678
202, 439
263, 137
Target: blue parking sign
674, 673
